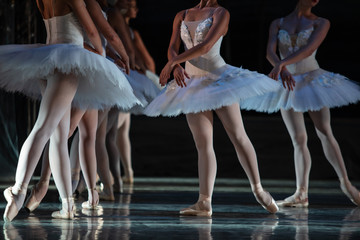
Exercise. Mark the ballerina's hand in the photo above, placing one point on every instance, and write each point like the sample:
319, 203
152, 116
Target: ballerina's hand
180, 74
120, 63
91, 49
287, 79
165, 74
275, 72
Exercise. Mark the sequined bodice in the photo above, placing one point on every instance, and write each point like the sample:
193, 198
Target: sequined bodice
63, 29
194, 33
290, 43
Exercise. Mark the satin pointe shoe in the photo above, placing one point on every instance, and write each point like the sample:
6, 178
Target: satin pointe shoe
11, 209
65, 213
351, 192
106, 197
94, 205
200, 209
32, 203
269, 204
295, 202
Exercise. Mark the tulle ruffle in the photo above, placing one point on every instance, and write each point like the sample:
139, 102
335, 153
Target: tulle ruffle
144, 89
226, 86
101, 83
313, 91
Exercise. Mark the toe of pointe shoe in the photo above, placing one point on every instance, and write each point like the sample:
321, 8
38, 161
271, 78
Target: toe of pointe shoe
272, 207
11, 209
195, 212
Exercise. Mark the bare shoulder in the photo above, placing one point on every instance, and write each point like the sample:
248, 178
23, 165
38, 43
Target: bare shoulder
180, 15
222, 11
322, 22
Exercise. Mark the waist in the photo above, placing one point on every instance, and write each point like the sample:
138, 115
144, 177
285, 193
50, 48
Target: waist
202, 66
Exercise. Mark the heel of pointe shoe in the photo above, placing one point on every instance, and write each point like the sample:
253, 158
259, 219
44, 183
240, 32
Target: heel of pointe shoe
32, 203
94, 205
11, 209
65, 214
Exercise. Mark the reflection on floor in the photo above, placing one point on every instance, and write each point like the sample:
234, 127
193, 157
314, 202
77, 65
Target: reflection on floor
148, 209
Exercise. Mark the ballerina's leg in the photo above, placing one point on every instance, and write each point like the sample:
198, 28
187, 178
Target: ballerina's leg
231, 119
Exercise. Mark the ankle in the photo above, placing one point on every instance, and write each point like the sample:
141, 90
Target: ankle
204, 198
19, 189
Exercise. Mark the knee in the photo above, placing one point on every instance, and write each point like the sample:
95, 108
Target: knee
324, 132
300, 139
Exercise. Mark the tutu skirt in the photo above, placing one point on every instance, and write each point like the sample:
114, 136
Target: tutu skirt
144, 89
101, 83
223, 87
313, 91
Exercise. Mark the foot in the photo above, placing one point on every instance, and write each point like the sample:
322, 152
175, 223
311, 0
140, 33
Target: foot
201, 209
298, 199
351, 192
92, 203
129, 177
14, 203
118, 186
106, 197
37, 194
67, 211
266, 201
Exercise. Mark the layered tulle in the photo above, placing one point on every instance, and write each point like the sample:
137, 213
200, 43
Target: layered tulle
101, 83
313, 91
223, 87
144, 89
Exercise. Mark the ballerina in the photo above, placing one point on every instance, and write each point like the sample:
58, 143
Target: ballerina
68, 75
207, 85
306, 88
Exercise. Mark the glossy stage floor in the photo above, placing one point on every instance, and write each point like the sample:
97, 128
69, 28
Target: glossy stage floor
148, 209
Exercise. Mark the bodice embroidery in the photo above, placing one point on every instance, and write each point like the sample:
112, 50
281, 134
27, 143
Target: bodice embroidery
200, 33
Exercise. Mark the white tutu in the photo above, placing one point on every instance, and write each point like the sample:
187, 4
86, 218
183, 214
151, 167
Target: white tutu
313, 91
223, 87
101, 83
144, 89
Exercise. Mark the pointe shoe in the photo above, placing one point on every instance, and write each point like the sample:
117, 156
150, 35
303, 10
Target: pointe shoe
106, 197
128, 180
63, 213
32, 203
198, 209
352, 193
94, 205
11, 209
271, 206
293, 202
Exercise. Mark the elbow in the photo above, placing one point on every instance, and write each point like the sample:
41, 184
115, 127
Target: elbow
112, 38
92, 34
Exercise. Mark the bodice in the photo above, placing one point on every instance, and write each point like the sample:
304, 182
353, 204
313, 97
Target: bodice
194, 33
63, 29
290, 43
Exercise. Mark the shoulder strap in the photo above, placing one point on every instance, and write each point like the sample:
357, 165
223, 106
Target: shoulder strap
281, 21
186, 11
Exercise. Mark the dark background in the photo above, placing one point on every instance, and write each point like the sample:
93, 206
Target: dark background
164, 146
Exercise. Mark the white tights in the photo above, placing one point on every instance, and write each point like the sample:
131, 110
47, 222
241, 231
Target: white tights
295, 125
201, 126
53, 121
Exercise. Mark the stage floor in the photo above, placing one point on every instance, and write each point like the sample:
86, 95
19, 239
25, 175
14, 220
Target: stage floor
148, 209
